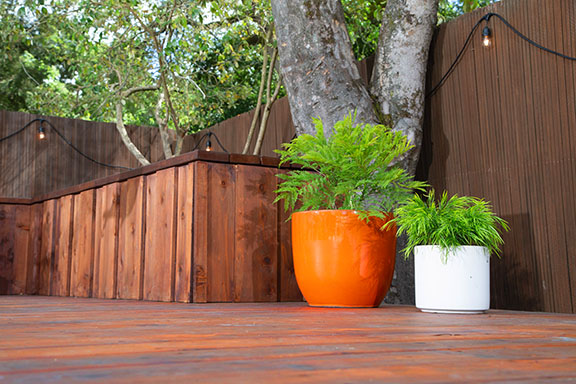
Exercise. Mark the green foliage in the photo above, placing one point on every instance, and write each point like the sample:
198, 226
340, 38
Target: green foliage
363, 19
63, 57
449, 223
74, 58
450, 9
352, 169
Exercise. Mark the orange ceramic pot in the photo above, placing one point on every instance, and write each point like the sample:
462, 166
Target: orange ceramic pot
340, 260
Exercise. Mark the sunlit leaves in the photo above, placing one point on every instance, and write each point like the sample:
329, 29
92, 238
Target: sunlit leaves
449, 222
352, 169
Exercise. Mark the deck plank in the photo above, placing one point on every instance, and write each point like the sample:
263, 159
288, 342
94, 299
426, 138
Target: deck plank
44, 339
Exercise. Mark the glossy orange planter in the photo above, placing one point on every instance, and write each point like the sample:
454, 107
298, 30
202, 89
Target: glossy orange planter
340, 260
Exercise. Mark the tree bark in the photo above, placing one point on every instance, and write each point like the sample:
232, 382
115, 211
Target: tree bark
322, 80
163, 127
318, 65
124, 135
263, 83
269, 102
399, 76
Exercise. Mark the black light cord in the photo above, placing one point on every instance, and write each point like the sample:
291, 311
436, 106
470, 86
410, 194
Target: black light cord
20, 130
63, 139
80, 152
219, 143
457, 59
506, 23
200, 142
486, 18
207, 136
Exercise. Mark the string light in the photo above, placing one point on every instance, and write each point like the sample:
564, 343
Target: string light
42, 136
208, 146
487, 42
486, 37
41, 132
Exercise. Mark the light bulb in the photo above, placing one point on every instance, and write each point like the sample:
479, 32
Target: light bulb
486, 37
41, 133
208, 145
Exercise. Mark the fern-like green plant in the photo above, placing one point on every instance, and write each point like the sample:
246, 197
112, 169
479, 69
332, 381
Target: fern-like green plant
349, 170
449, 222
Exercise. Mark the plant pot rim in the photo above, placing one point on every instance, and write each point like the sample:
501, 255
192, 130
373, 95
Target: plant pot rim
455, 247
344, 211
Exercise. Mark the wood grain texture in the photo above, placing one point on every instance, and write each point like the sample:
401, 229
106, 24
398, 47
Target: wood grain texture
60, 282
21, 250
130, 238
200, 238
204, 232
288, 286
47, 249
220, 227
7, 253
501, 128
68, 339
256, 243
106, 241
82, 265
160, 235
34, 249
14, 232
185, 232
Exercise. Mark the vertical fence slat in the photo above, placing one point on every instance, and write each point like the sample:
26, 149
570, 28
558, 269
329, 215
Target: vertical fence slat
183, 275
60, 283
160, 234
47, 248
200, 238
255, 253
105, 244
130, 233
220, 231
288, 286
82, 266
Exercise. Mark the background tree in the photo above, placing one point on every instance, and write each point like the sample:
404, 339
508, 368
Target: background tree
319, 70
127, 62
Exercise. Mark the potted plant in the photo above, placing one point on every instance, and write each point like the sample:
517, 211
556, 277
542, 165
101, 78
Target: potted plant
343, 196
452, 240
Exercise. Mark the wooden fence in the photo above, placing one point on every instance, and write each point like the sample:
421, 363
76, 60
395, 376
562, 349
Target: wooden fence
31, 167
198, 228
503, 127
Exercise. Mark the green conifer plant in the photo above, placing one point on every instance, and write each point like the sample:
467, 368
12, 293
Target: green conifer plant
449, 223
352, 169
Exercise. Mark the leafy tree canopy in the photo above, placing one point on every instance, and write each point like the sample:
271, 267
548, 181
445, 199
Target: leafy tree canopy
75, 58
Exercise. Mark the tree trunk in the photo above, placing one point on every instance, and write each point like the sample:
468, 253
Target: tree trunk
264, 123
163, 127
399, 77
124, 135
318, 65
322, 80
263, 83
179, 143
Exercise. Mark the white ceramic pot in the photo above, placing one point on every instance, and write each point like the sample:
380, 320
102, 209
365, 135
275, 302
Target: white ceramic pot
458, 283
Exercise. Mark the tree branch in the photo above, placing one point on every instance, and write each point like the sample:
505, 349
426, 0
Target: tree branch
260, 93
131, 91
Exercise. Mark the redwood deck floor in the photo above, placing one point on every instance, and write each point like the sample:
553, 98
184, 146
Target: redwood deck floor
48, 339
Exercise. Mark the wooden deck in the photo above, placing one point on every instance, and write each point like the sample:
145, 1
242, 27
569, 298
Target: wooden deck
50, 339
